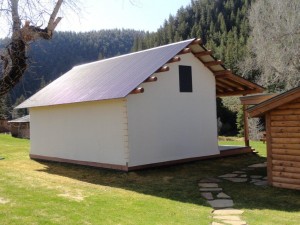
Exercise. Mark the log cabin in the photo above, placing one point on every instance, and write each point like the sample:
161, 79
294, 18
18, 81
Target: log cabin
282, 116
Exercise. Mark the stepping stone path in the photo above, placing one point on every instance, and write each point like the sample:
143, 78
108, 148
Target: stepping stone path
222, 203
242, 176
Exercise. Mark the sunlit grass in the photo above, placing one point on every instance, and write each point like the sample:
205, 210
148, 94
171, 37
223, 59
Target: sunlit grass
34, 192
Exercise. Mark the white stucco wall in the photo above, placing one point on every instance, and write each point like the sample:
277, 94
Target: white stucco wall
92, 131
165, 124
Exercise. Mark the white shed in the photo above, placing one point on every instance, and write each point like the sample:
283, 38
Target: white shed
148, 108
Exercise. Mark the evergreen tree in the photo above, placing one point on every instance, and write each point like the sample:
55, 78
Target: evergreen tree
5, 107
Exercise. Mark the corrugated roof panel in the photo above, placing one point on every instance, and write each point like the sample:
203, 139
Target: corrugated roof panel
106, 79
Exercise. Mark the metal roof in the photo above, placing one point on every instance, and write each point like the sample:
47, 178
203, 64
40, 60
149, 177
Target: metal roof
117, 77
105, 79
24, 119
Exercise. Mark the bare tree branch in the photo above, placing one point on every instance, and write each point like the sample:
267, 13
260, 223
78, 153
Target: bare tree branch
275, 43
14, 57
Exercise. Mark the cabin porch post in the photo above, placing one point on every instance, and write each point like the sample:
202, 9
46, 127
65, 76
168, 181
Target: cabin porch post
246, 127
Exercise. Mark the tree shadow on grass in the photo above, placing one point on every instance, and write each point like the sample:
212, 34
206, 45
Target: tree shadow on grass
180, 183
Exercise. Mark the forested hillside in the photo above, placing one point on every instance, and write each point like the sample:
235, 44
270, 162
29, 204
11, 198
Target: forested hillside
50, 59
222, 25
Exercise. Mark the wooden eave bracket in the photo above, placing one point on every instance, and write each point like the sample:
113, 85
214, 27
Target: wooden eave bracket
184, 51
163, 69
137, 90
175, 59
150, 79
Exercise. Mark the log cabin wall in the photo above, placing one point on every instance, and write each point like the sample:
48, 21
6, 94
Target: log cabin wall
20, 130
283, 145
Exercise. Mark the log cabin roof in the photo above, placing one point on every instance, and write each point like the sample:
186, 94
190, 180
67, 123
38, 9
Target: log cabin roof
256, 98
119, 76
274, 102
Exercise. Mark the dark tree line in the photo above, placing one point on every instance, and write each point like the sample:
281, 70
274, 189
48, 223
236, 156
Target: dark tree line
222, 25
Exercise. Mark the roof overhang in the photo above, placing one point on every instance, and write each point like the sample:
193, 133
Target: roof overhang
256, 99
227, 83
274, 102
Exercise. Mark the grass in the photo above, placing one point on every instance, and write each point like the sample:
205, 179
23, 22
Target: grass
34, 192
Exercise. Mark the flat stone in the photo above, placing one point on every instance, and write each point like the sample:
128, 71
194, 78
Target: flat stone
256, 176
228, 217
4, 201
216, 223
222, 195
243, 175
207, 195
228, 175
221, 203
228, 211
258, 165
210, 185
239, 172
255, 180
261, 183
210, 189
237, 179
233, 222
210, 180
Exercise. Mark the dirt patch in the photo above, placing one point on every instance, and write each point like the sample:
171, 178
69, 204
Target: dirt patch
73, 196
4, 201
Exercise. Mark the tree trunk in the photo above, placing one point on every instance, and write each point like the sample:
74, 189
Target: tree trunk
14, 59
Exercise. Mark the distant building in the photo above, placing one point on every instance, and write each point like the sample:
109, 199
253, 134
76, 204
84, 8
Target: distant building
98, 114
20, 127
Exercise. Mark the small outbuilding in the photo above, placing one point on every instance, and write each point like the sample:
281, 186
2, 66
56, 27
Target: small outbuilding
4, 126
282, 116
20, 127
148, 108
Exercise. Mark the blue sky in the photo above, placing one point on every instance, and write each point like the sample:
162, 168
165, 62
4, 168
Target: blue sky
106, 14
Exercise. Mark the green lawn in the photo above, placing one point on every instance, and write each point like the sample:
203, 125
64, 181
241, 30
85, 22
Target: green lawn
52, 193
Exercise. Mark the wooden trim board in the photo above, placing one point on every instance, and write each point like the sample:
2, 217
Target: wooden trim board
224, 153
79, 162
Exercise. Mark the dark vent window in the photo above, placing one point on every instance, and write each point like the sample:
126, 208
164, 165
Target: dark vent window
185, 79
